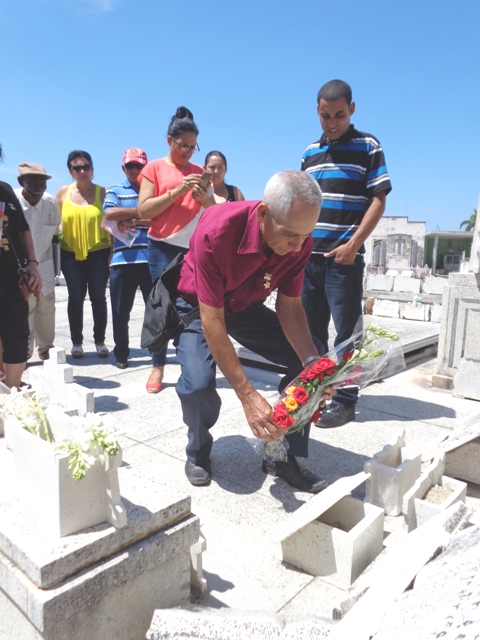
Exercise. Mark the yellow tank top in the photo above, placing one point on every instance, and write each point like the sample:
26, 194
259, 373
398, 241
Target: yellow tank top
81, 228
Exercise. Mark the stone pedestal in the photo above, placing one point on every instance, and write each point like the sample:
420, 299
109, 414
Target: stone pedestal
339, 544
459, 336
100, 583
416, 509
45, 484
393, 471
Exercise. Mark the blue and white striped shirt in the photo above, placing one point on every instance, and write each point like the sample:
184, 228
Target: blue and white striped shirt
350, 171
125, 195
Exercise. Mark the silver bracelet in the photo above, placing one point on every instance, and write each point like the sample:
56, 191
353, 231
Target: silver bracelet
309, 360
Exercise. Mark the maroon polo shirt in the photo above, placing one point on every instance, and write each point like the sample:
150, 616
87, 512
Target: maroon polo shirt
226, 266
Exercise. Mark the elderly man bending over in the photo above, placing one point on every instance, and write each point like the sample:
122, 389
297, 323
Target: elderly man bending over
239, 253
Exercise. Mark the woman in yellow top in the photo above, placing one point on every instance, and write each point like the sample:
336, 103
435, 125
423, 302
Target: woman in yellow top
85, 249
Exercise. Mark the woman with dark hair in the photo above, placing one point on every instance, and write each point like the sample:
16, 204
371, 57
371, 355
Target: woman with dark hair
85, 249
172, 199
14, 237
216, 164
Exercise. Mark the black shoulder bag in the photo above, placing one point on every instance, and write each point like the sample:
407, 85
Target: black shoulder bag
162, 321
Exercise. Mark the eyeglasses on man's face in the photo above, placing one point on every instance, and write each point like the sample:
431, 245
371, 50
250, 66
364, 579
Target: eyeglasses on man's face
186, 148
81, 167
133, 165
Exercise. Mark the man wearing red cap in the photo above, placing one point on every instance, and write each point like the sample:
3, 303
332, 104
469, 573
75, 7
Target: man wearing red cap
43, 217
129, 265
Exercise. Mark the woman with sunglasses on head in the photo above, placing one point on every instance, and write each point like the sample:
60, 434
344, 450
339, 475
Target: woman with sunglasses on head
216, 164
85, 249
172, 199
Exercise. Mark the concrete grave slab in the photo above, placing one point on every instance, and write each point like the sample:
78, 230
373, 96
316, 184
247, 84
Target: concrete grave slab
386, 308
380, 282
444, 600
98, 602
412, 311
406, 284
434, 284
200, 623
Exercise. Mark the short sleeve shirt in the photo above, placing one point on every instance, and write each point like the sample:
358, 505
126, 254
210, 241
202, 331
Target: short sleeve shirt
226, 265
14, 221
180, 213
44, 222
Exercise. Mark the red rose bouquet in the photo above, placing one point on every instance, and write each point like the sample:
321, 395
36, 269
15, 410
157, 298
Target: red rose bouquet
367, 356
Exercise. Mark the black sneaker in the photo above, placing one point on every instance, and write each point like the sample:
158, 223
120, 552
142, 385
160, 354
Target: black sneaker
297, 476
121, 364
336, 416
198, 475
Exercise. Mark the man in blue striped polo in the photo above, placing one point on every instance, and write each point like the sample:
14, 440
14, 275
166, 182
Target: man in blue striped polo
129, 265
349, 166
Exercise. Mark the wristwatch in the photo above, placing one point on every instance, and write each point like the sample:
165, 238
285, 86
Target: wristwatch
28, 260
309, 360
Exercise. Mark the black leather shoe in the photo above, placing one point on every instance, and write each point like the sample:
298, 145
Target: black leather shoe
198, 475
121, 364
336, 416
297, 476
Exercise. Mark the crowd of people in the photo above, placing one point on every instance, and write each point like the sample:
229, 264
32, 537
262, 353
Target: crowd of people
304, 239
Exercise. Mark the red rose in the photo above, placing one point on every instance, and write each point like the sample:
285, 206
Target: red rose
348, 355
300, 395
307, 376
282, 419
323, 366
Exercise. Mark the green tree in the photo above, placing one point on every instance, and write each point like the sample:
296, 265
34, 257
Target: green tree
470, 223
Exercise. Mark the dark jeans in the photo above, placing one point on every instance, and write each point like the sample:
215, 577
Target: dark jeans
160, 254
124, 282
256, 328
82, 275
336, 290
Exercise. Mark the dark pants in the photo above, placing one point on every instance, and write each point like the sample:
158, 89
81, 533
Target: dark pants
124, 282
160, 254
256, 328
14, 331
82, 275
336, 290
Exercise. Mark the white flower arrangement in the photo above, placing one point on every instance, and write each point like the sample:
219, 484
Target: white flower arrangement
91, 438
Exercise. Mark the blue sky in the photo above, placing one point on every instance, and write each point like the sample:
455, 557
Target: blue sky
103, 75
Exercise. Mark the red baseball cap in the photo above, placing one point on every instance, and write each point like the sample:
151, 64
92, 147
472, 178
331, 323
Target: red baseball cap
135, 155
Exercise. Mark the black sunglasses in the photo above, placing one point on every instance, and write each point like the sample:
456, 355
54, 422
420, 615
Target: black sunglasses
133, 165
81, 167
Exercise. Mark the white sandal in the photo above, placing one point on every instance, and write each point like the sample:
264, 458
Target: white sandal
77, 352
102, 350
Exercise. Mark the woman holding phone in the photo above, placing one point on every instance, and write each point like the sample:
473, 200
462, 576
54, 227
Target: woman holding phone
216, 164
171, 198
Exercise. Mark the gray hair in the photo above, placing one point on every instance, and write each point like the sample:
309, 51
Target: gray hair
286, 187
